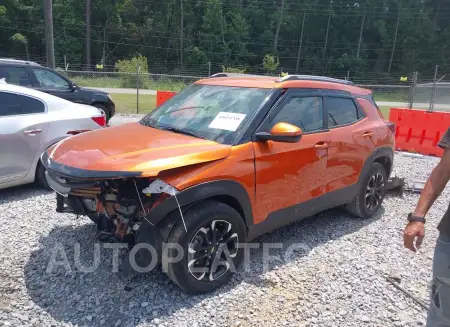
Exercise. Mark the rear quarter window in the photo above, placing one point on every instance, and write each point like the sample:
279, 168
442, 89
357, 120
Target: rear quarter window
341, 111
12, 104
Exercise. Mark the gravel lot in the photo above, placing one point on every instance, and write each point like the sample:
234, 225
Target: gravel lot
338, 281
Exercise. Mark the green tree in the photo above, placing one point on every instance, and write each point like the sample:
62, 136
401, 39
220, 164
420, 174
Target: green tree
233, 70
270, 63
20, 39
135, 72
181, 37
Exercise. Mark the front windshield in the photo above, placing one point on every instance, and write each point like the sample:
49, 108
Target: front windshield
217, 113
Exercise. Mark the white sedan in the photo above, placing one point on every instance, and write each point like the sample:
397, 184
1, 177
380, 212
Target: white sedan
30, 122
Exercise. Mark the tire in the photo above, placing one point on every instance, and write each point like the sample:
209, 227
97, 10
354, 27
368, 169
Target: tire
200, 220
106, 111
40, 177
373, 188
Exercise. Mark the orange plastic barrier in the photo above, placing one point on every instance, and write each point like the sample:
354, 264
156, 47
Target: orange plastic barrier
419, 131
163, 96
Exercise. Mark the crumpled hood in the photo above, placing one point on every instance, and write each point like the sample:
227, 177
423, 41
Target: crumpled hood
133, 147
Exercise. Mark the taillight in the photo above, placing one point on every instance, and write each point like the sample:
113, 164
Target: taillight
391, 126
100, 120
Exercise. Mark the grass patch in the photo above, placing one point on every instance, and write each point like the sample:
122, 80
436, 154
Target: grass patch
162, 83
396, 95
126, 103
385, 110
96, 82
177, 83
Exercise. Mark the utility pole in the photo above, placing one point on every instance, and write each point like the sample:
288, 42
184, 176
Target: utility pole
181, 33
88, 34
48, 22
326, 41
395, 41
301, 43
360, 35
277, 32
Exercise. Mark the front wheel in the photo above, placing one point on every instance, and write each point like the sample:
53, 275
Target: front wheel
40, 177
371, 193
210, 251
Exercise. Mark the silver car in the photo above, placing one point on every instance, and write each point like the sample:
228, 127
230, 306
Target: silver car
30, 122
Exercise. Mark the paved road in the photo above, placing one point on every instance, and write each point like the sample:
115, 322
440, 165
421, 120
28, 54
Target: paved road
445, 107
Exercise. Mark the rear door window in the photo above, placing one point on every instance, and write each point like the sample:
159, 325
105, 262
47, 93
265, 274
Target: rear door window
15, 75
12, 104
341, 111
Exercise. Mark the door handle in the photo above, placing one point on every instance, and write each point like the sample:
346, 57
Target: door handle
32, 131
321, 145
368, 134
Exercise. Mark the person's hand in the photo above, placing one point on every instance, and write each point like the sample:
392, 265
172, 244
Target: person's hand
413, 235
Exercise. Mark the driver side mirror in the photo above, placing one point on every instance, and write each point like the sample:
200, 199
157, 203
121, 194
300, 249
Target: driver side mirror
73, 86
281, 132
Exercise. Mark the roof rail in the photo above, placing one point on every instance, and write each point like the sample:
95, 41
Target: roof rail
314, 78
15, 61
236, 75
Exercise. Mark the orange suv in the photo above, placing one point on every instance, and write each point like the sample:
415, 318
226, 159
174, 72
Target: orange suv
225, 160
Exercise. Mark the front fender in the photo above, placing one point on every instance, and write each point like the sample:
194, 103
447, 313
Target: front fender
155, 229
201, 192
98, 98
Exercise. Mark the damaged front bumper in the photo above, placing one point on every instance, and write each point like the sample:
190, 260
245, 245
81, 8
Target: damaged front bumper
123, 199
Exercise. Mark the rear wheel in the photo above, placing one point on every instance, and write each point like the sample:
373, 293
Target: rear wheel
371, 193
210, 248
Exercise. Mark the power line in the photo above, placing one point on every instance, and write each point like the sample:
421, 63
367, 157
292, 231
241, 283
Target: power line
283, 42
308, 46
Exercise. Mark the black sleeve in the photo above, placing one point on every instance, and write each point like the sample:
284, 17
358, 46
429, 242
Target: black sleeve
445, 140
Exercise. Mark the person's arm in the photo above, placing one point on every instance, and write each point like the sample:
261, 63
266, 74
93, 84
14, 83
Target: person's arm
415, 231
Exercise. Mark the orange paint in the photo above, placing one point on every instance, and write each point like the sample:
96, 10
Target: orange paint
134, 147
285, 129
276, 175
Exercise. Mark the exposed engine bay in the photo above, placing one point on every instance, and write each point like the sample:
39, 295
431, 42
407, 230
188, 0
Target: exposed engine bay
117, 206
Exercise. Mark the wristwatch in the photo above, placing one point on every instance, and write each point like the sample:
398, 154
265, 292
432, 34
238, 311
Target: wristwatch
411, 217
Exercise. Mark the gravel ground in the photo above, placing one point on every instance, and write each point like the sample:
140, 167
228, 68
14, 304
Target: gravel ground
338, 279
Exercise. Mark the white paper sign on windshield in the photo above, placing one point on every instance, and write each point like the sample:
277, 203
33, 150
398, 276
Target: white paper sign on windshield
229, 121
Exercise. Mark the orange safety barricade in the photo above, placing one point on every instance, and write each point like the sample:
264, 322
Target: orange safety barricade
418, 130
163, 96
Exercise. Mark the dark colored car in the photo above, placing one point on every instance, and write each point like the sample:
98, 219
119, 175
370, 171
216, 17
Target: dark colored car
33, 75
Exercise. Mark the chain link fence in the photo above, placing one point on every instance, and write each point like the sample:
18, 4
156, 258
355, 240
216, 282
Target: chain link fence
135, 92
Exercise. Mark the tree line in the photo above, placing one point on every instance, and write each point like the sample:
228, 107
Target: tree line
363, 37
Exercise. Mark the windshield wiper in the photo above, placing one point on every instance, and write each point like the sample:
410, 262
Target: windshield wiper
181, 131
148, 122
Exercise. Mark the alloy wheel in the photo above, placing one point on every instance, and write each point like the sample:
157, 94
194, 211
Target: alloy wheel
211, 249
374, 191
